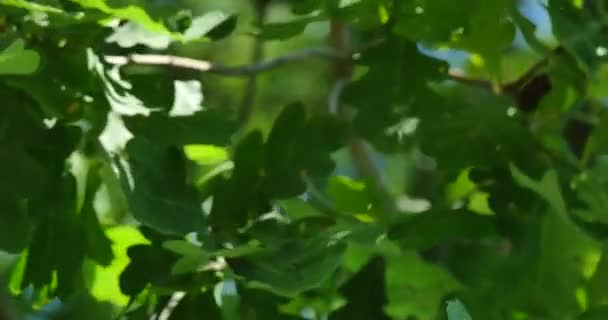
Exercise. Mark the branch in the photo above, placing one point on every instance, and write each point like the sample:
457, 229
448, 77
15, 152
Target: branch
359, 152
508, 88
462, 78
257, 55
528, 75
233, 71
335, 95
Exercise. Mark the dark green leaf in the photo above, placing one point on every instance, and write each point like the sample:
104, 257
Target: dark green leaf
427, 229
365, 293
161, 196
15, 224
291, 269
204, 127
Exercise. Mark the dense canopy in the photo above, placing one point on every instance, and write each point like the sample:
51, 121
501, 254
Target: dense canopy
304, 159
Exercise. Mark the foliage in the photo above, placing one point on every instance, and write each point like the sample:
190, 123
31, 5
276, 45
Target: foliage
427, 185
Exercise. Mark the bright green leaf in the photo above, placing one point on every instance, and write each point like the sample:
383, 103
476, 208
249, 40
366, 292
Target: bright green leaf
16, 60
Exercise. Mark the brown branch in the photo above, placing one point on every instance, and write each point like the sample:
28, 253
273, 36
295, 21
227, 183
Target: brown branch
257, 54
205, 66
527, 76
233, 71
331, 53
464, 79
508, 88
335, 94
359, 151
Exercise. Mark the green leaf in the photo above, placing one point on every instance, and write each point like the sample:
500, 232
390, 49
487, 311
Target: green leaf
160, 196
99, 247
192, 256
291, 269
302, 7
234, 206
182, 247
188, 98
124, 185
258, 304
595, 285
84, 305
205, 155
193, 305
416, 288
477, 127
224, 29
148, 265
589, 189
528, 29
16, 60
286, 30
15, 224
32, 6
297, 209
106, 285
432, 20
565, 254
577, 31
297, 145
204, 127
385, 93
365, 293
132, 33
594, 314
349, 195
213, 24
424, 230
548, 188
127, 10
58, 244
282, 160
491, 31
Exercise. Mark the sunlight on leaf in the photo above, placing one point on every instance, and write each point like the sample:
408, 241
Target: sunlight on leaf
127, 11
188, 98
206, 155
106, 287
208, 23
132, 33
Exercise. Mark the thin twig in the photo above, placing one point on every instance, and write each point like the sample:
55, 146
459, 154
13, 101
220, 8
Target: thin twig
308, 53
335, 94
359, 151
508, 88
316, 198
361, 155
257, 54
233, 71
527, 76
464, 79
173, 302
